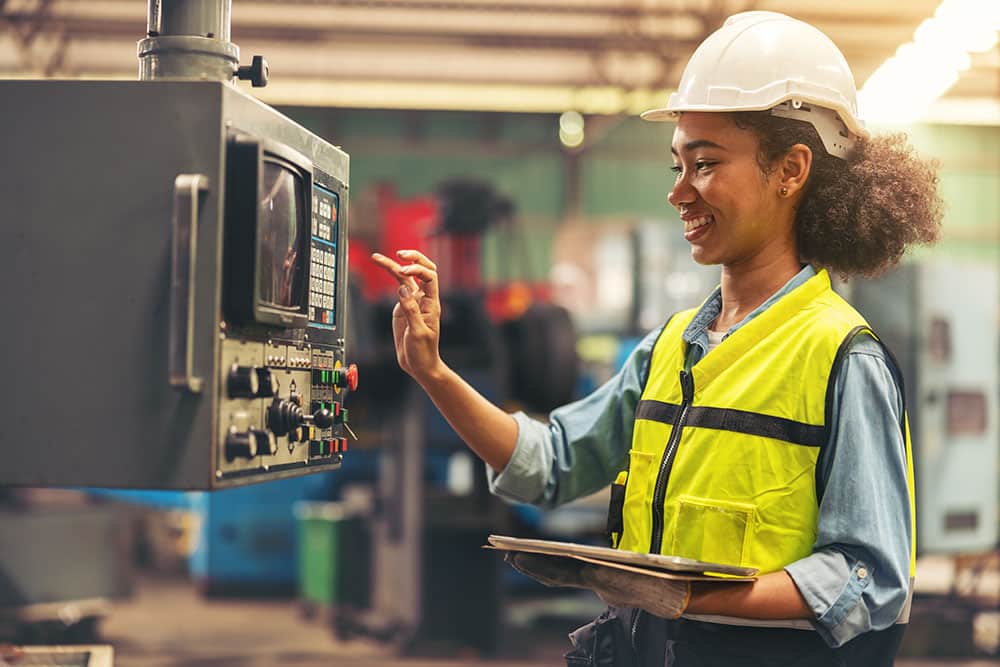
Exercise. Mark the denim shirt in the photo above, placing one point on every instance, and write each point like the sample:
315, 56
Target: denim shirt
857, 578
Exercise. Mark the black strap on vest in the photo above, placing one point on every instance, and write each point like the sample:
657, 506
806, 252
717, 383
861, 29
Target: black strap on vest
737, 421
838, 362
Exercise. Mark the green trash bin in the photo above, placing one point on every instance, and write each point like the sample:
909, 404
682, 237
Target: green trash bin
334, 557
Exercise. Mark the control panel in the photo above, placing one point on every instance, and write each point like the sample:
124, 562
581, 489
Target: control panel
282, 406
282, 393
211, 352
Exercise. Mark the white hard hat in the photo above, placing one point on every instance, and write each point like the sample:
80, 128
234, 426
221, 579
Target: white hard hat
765, 60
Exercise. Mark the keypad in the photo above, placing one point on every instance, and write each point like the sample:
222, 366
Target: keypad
323, 268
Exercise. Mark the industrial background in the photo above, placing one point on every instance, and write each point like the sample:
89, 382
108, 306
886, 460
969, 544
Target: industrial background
501, 137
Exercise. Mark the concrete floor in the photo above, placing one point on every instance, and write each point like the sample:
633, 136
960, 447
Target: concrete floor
169, 624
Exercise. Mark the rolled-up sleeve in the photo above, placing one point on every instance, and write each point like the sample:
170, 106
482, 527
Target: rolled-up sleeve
583, 445
857, 578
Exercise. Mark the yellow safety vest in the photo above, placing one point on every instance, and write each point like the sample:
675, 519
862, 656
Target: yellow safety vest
723, 460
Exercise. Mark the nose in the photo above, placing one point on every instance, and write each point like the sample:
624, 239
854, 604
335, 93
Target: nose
682, 193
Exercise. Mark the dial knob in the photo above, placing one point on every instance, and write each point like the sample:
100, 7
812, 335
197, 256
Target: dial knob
242, 382
346, 377
240, 445
267, 383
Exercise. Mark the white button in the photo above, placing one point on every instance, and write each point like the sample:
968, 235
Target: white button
862, 573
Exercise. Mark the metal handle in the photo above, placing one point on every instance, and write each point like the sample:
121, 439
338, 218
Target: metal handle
188, 191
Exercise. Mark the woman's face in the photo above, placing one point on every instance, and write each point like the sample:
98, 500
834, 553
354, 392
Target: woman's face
730, 208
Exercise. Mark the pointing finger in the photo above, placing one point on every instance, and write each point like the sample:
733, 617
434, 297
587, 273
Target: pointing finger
395, 270
418, 258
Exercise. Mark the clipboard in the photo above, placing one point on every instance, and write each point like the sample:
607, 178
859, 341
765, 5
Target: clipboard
666, 567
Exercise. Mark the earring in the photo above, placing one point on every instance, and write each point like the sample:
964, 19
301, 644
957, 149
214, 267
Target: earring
783, 191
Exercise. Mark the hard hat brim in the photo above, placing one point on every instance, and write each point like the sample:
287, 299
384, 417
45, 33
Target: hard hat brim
659, 115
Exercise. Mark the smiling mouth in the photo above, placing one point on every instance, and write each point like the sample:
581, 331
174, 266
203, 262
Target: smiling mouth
694, 223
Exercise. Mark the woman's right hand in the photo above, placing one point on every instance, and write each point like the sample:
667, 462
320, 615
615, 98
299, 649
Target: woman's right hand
416, 319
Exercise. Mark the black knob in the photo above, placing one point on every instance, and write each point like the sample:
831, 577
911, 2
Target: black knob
323, 418
240, 445
256, 72
283, 416
267, 383
242, 382
266, 445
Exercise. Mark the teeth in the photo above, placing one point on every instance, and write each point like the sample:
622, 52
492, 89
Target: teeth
695, 223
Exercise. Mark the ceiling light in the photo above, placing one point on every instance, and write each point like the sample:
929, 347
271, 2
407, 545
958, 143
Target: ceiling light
902, 89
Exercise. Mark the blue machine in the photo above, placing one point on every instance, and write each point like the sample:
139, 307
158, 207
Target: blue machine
247, 541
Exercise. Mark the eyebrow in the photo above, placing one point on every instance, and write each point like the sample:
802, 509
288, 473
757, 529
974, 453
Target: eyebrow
698, 143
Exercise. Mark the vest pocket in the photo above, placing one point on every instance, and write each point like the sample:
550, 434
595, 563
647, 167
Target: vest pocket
717, 531
637, 496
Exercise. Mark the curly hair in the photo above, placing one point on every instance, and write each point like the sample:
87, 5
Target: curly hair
856, 217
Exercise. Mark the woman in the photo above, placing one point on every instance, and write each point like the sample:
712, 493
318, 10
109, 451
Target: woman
765, 428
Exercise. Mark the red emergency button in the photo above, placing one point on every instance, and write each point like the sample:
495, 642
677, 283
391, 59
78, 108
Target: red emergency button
347, 379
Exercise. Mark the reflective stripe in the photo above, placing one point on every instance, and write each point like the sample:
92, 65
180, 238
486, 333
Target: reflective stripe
737, 421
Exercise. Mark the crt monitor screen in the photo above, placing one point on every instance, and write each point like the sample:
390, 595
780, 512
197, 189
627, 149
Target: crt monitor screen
283, 229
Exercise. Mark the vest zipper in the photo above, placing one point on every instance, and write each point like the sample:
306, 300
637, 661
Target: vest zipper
669, 453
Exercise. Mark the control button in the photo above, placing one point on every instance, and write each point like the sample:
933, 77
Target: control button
348, 378
341, 445
316, 448
862, 573
242, 382
240, 445
267, 384
302, 433
340, 417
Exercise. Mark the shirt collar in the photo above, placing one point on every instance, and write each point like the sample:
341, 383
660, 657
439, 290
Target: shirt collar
696, 333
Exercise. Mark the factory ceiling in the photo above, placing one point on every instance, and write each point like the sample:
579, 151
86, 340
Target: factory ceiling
597, 56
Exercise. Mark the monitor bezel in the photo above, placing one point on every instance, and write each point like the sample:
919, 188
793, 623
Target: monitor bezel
247, 155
